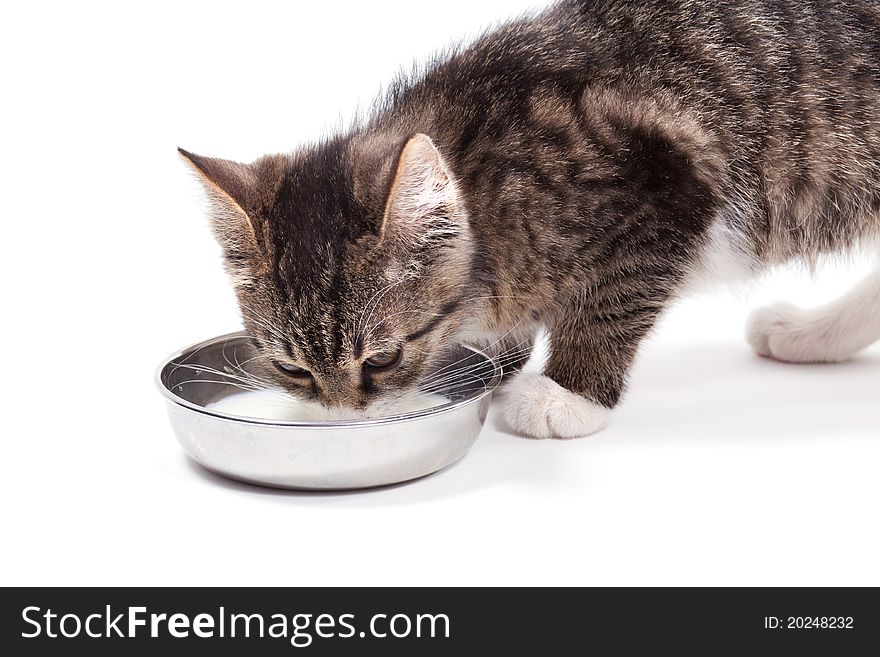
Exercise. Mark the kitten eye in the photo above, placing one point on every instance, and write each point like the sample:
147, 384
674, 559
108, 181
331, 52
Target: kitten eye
292, 370
383, 359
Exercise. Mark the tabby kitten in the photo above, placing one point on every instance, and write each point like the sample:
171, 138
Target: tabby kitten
576, 170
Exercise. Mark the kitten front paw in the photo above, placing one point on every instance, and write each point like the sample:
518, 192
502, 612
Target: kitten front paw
538, 407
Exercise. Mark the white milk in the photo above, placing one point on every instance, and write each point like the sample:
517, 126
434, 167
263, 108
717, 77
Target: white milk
272, 405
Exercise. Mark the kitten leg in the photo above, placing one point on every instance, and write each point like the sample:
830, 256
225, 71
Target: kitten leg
831, 333
591, 352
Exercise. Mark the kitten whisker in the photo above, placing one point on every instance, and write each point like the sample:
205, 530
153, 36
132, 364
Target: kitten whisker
226, 383
455, 376
486, 349
249, 381
249, 375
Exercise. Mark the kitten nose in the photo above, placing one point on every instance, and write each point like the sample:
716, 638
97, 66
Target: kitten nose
339, 392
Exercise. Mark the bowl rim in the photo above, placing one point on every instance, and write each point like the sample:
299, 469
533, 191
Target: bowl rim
322, 424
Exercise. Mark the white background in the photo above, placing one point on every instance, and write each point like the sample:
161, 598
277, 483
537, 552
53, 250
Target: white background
719, 468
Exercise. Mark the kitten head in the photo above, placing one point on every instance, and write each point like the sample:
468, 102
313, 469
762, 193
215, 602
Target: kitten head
351, 262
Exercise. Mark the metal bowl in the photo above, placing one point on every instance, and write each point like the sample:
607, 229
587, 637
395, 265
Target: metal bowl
333, 455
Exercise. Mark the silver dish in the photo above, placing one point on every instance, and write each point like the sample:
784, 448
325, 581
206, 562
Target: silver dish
334, 455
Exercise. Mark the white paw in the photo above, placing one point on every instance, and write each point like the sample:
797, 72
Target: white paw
794, 335
538, 407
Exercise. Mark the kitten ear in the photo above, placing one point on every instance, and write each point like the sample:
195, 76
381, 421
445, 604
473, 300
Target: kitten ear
421, 204
232, 188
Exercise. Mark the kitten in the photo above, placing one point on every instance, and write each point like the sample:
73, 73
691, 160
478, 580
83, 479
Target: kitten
575, 169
